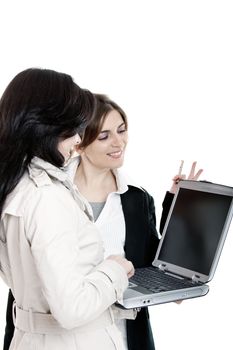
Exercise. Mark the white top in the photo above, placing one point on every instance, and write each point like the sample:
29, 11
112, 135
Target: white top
111, 224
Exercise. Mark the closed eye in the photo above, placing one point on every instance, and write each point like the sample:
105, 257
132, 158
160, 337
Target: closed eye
121, 131
103, 136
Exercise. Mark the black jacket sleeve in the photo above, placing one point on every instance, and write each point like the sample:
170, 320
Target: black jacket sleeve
167, 202
9, 329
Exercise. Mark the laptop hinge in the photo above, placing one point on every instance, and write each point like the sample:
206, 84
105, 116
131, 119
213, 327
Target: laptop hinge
163, 267
196, 278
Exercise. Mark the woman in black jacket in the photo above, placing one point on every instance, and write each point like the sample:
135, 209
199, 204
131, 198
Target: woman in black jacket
140, 235
140, 247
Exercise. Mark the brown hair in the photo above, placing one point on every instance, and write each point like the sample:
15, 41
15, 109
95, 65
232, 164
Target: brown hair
103, 106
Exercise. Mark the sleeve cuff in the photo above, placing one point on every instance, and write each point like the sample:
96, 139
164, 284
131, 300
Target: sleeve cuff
116, 275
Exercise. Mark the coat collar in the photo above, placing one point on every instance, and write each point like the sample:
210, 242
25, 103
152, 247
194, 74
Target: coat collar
41, 172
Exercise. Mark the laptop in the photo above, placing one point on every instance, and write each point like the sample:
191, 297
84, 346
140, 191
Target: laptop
190, 247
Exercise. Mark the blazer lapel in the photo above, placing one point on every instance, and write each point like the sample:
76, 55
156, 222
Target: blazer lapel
134, 212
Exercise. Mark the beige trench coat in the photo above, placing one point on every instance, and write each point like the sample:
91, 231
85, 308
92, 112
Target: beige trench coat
51, 256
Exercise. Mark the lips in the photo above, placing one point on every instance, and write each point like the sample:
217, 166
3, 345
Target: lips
116, 154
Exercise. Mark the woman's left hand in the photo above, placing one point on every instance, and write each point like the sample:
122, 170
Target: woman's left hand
193, 175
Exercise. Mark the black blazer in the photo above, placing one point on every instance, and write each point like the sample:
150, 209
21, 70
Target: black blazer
140, 246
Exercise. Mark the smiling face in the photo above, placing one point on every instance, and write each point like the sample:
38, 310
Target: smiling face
107, 150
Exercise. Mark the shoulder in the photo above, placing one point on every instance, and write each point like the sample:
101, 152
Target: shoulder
135, 191
137, 199
28, 194
20, 196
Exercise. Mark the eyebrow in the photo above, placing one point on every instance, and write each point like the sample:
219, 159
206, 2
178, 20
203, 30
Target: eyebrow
109, 130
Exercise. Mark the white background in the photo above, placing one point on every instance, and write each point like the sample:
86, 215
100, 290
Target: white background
169, 64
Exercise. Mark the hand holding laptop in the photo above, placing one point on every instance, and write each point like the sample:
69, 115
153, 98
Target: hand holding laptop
193, 175
126, 264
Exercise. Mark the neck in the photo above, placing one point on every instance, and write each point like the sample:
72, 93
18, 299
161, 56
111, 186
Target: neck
94, 184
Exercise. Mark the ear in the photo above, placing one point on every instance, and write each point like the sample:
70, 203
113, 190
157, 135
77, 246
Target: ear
79, 149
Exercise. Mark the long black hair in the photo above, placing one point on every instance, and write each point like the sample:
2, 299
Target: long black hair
38, 108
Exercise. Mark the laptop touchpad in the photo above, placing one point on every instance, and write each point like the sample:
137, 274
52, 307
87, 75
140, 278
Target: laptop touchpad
134, 291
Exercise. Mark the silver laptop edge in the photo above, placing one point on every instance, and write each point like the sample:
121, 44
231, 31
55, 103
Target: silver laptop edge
143, 300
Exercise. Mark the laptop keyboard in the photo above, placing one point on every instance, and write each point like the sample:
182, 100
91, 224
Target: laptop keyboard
158, 281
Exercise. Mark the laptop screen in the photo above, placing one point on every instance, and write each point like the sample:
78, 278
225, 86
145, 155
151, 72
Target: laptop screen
195, 229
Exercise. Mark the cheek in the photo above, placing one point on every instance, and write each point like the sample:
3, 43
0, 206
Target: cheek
68, 145
65, 147
99, 148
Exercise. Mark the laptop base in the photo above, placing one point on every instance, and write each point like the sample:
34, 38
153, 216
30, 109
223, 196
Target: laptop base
135, 299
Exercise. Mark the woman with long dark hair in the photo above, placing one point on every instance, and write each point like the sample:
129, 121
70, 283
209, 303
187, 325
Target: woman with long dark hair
51, 254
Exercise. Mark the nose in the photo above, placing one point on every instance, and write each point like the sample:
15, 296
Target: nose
116, 140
